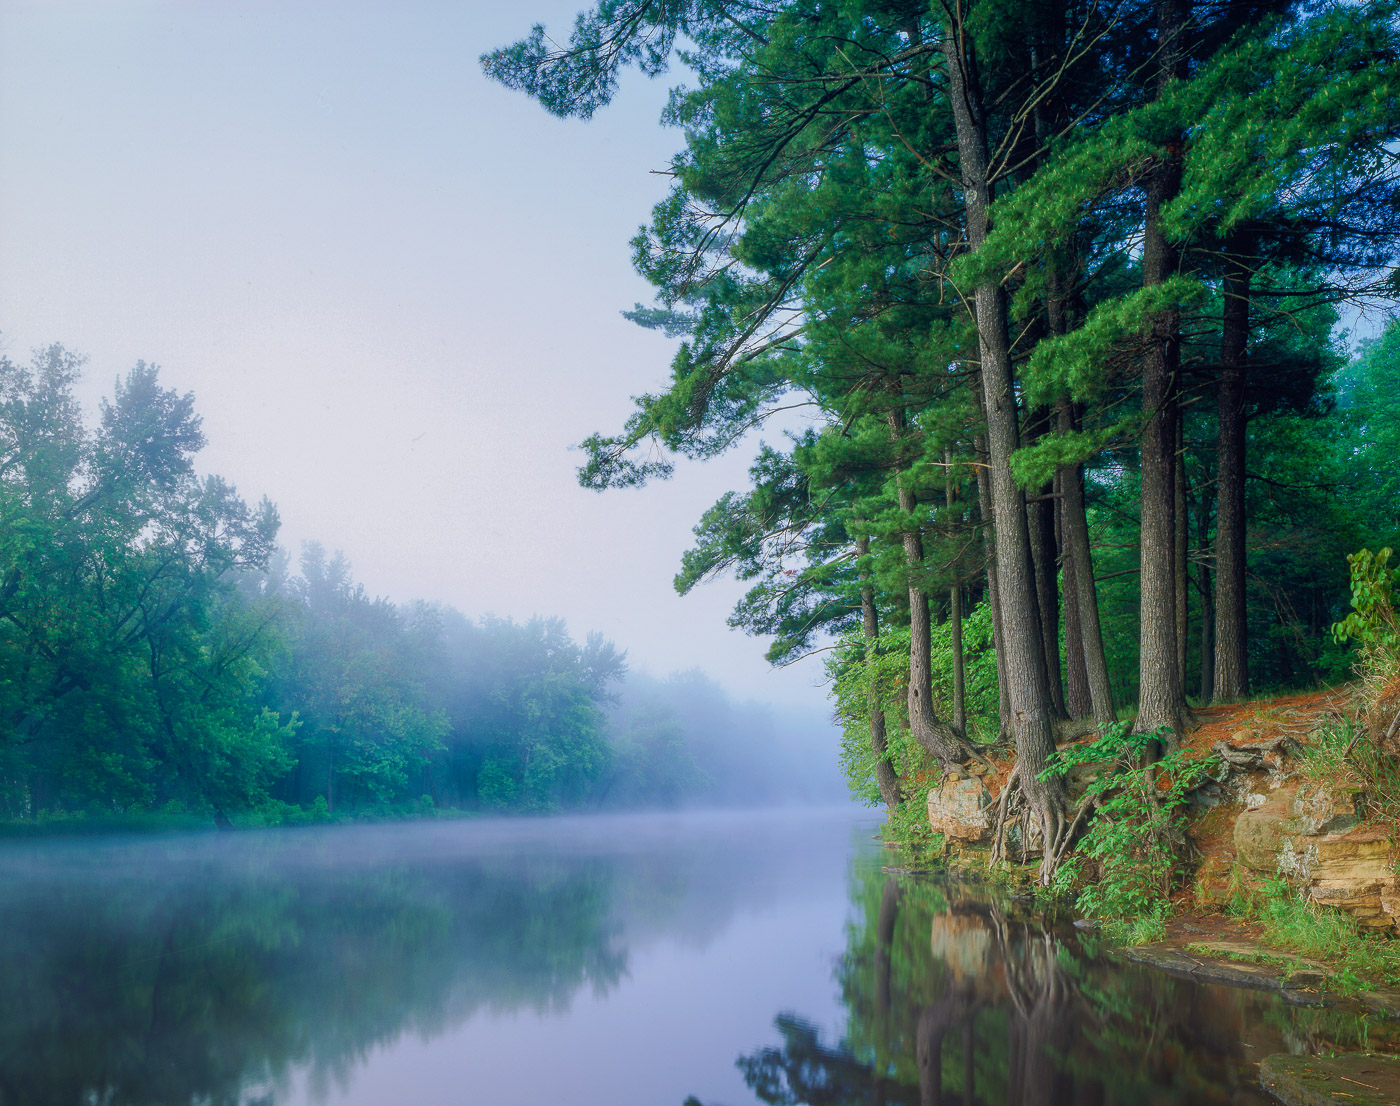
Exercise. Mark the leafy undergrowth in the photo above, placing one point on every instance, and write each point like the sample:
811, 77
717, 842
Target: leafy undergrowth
1134, 852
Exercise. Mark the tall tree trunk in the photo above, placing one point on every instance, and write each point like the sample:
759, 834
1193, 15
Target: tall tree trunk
1078, 699
1206, 689
1040, 523
1161, 700
1077, 676
885, 775
989, 544
1180, 557
936, 736
1080, 562
955, 612
1231, 627
1025, 661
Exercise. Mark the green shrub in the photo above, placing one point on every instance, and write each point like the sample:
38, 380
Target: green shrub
1372, 622
1133, 852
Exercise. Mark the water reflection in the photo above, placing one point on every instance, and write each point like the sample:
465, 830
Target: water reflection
629, 953
958, 995
211, 970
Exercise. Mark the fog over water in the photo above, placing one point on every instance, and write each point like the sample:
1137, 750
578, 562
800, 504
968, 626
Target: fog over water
624, 960
393, 287
593, 960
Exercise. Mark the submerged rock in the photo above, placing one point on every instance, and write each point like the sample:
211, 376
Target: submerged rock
1323, 1080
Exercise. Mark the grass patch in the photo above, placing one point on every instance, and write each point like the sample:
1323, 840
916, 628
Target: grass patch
1321, 933
1286, 964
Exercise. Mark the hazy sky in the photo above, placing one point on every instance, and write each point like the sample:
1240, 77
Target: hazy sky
392, 286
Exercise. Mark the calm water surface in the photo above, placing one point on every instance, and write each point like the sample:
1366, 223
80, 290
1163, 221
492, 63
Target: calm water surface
640, 960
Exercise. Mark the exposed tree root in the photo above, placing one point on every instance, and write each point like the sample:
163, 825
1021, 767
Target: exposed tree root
1015, 807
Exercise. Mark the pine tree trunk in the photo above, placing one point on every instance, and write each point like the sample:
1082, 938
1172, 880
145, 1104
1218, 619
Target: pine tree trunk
1077, 701
1031, 722
1161, 700
984, 511
1180, 563
1206, 690
885, 775
1080, 562
938, 739
1231, 628
955, 613
1040, 523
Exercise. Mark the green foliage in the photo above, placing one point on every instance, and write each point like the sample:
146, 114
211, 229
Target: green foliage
1372, 622
1370, 401
129, 657
886, 673
1347, 752
1076, 364
158, 665
1132, 853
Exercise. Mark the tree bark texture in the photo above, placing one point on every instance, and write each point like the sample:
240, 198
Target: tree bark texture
1231, 626
1180, 555
936, 736
984, 511
1161, 700
1203, 588
1077, 701
1031, 721
885, 775
1040, 523
955, 614
1080, 563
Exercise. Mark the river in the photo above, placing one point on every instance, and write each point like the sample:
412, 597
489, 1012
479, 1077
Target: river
730, 958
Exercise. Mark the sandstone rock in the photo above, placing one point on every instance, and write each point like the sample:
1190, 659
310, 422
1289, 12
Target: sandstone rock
961, 809
1358, 855
1260, 832
1217, 880
1390, 900
1322, 1081
1346, 894
1326, 808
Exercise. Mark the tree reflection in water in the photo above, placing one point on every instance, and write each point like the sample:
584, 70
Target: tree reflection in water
214, 972
199, 985
956, 995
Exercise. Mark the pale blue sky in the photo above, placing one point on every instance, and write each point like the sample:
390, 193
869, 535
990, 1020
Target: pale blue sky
392, 285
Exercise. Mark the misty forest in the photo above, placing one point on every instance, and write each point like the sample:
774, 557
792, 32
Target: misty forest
161, 657
1060, 342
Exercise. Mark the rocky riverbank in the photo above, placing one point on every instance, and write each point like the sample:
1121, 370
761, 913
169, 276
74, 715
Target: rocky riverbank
1281, 815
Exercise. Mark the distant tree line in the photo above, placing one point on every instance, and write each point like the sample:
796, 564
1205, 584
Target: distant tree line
1055, 283
157, 654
